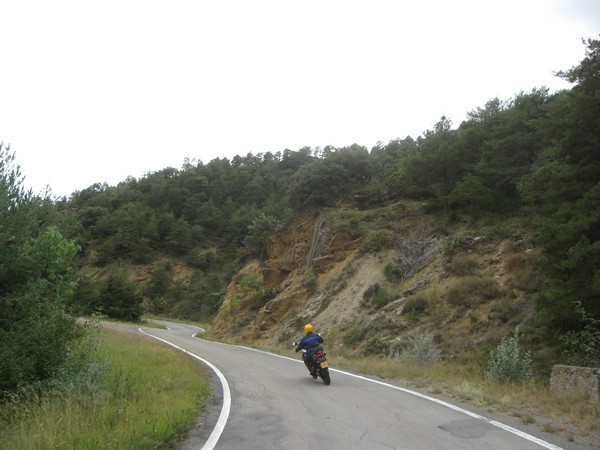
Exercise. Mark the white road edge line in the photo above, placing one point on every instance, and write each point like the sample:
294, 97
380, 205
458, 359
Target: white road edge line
495, 423
492, 422
224, 416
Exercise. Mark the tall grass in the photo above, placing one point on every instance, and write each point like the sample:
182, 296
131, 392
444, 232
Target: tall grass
142, 395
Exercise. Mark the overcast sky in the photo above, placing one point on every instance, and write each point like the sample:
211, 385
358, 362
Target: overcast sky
99, 91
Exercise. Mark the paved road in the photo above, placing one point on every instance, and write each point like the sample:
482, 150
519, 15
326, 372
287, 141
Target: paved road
275, 404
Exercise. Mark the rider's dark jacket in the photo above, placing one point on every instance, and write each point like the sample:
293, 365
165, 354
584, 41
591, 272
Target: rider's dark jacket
311, 342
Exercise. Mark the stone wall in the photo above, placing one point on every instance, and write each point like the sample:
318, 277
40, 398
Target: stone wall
576, 381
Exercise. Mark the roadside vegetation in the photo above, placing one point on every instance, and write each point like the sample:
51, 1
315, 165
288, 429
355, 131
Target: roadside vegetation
531, 401
528, 400
140, 394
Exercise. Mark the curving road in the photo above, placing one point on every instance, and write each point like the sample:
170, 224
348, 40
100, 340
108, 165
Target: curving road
267, 401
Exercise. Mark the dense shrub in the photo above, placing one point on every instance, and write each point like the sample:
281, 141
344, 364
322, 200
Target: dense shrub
119, 297
417, 303
39, 339
377, 296
507, 363
377, 241
462, 266
472, 290
583, 346
353, 336
393, 273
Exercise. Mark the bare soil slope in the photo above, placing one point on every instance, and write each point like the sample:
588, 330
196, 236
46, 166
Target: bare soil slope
374, 279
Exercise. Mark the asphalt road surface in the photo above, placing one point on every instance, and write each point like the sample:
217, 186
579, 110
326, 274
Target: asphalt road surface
264, 401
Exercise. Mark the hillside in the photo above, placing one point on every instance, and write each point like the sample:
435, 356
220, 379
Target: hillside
376, 280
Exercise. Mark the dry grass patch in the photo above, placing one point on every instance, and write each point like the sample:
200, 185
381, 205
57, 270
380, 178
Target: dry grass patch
524, 274
463, 266
472, 290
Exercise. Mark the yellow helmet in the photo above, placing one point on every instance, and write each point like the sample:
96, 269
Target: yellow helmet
308, 327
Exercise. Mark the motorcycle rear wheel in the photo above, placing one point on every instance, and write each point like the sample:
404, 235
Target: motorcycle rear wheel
324, 373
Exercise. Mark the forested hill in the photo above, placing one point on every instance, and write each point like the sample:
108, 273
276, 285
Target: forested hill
170, 242
536, 155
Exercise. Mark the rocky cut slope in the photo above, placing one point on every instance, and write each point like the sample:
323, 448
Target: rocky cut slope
378, 279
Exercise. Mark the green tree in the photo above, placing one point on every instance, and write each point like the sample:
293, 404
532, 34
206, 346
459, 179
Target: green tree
87, 293
179, 240
570, 231
120, 298
433, 169
36, 281
513, 140
259, 231
323, 182
158, 286
472, 192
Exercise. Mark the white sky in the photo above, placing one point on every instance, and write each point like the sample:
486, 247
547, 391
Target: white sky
98, 91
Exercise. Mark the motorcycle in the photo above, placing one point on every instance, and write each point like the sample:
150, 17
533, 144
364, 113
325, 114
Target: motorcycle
317, 364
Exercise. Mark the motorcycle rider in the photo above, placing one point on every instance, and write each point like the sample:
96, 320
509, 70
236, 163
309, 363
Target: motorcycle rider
312, 343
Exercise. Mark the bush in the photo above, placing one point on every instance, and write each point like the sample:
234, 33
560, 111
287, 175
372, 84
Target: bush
421, 349
472, 290
393, 273
463, 266
120, 298
160, 280
583, 346
377, 296
261, 298
377, 241
524, 271
507, 363
310, 280
249, 284
417, 303
353, 336
504, 310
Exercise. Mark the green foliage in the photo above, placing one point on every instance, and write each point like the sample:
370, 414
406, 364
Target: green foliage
504, 310
377, 296
120, 298
86, 298
203, 297
310, 280
471, 191
52, 255
160, 280
353, 336
179, 239
259, 231
507, 363
393, 273
377, 241
158, 288
249, 284
472, 290
39, 339
138, 394
325, 181
583, 346
564, 192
